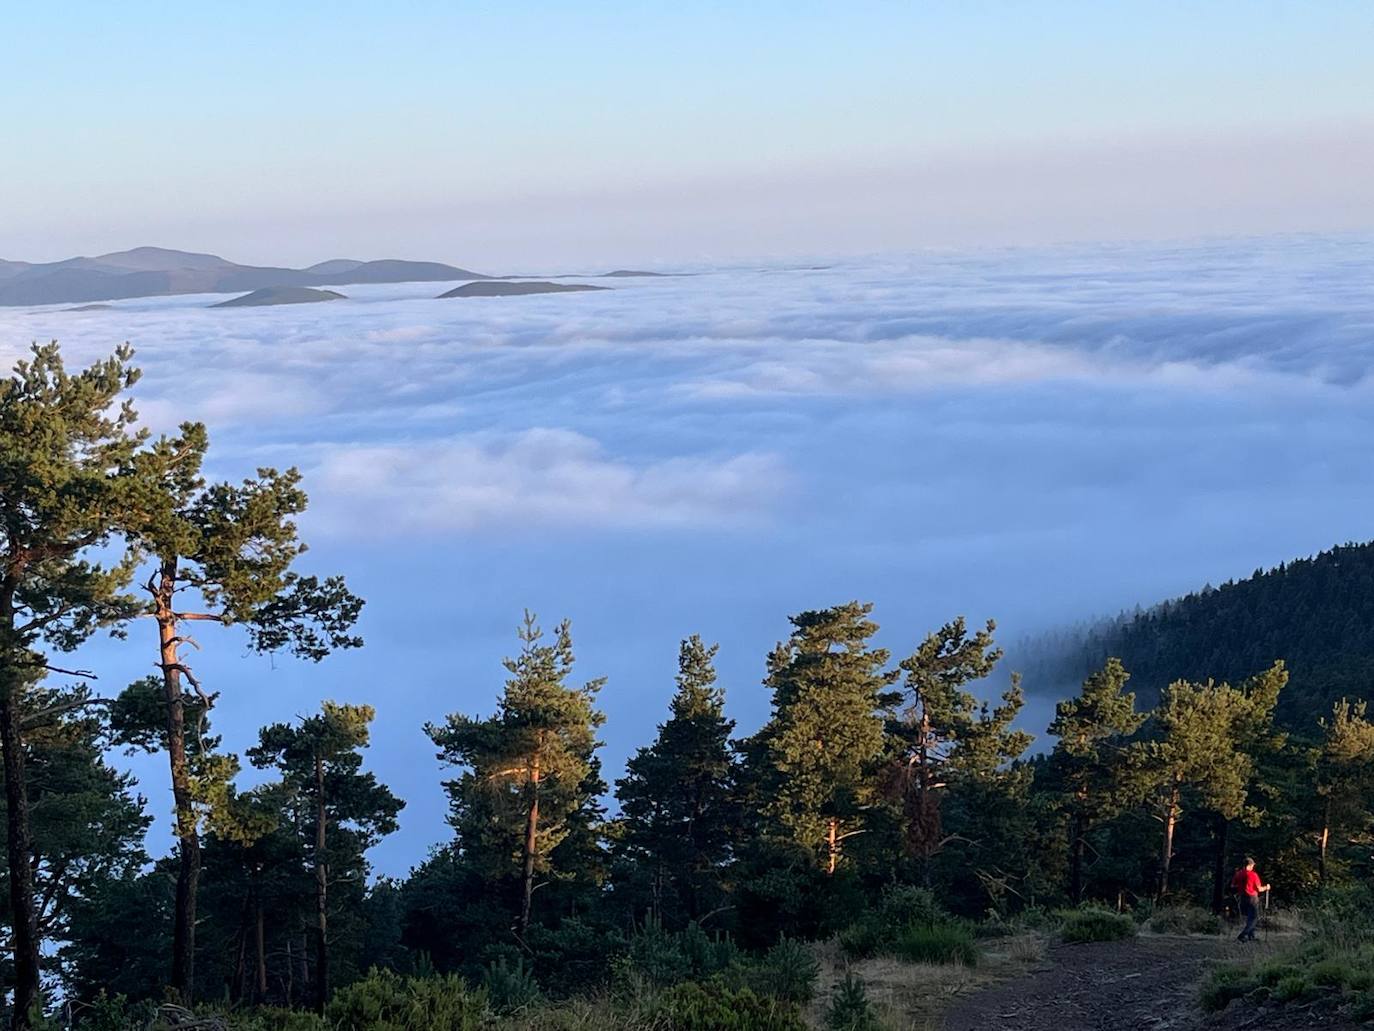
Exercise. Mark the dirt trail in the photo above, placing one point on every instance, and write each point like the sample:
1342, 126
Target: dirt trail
1148, 984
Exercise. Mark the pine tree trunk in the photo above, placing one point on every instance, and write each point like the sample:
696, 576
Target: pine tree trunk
321, 888
1323, 841
188, 839
18, 850
236, 983
531, 845
261, 944
656, 894
1219, 865
290, 975
832, 842
303, 963
1078, 828
1167, 852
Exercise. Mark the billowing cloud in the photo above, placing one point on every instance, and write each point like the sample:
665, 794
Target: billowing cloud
538, 477
1032, 435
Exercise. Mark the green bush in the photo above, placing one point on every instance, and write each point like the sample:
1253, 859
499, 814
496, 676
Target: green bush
384, 1001
708, 954
788, 971
510, 987
1225, 984
574, 958
692, 1006
902, 905
1093, 924
111, 1013
866, 937
946, 942
1292, 988
659, 958
273, 1019
849, 1008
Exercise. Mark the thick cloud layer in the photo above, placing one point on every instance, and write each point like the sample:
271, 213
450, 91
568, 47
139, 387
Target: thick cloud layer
1035, 436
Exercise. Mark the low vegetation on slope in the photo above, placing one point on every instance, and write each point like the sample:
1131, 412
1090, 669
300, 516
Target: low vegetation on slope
1331, 969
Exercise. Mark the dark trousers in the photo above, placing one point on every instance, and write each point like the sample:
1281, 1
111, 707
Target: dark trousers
1249, 908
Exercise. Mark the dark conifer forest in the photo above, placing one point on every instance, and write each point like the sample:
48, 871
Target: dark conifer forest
893, 803
1317, 614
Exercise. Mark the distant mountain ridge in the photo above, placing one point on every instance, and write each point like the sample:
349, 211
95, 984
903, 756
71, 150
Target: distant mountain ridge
158, 272
1316, 614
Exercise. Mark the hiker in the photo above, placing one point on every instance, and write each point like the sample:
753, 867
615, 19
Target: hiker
1247, 886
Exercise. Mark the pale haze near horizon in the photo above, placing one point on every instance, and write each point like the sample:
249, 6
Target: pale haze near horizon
547, 137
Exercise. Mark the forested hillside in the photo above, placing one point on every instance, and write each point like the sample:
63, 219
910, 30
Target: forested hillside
1317, 614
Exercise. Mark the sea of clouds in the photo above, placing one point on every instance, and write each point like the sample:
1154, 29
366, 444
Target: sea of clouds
1036, 435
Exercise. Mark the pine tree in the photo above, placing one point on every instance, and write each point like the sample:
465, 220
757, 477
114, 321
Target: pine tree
221, 553
1345, 774
87, 823
676, 796
989, 795
1090, 759
929, 719
818, 752
347, 810
529, 772
1203, 753
65, 447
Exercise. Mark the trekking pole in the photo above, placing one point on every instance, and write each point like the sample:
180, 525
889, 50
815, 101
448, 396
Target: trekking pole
1266, 916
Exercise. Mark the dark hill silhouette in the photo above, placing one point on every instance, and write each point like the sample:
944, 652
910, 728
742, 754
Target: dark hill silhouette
155, 272
1317, 614
280, 295
505, 288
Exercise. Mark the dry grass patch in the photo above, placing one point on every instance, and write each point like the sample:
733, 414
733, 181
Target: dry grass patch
914, 996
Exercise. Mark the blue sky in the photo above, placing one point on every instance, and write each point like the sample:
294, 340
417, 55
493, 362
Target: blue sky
520, 134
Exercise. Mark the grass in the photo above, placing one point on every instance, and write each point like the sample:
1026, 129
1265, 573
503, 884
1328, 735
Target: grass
913, 996
943, 942
1092, 924
1338, 970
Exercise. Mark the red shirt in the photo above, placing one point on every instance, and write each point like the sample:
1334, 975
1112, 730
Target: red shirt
1246, 881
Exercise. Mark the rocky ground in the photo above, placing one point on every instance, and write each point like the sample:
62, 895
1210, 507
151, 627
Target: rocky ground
1146, 984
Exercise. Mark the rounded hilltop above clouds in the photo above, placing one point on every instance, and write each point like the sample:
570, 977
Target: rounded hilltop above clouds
505, 288
281, 295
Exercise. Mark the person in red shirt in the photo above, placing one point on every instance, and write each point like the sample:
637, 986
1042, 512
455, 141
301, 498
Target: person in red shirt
1247, 886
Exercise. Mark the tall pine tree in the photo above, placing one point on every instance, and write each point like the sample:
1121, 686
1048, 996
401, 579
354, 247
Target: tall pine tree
1345, 777
1202, 754
65, 448
529, 772
818, 752
1090, 758
676, 797
347, 811
929, 719
221, 553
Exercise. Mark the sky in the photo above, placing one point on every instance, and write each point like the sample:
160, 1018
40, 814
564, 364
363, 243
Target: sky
1020, 311
1035, 435
518, 137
